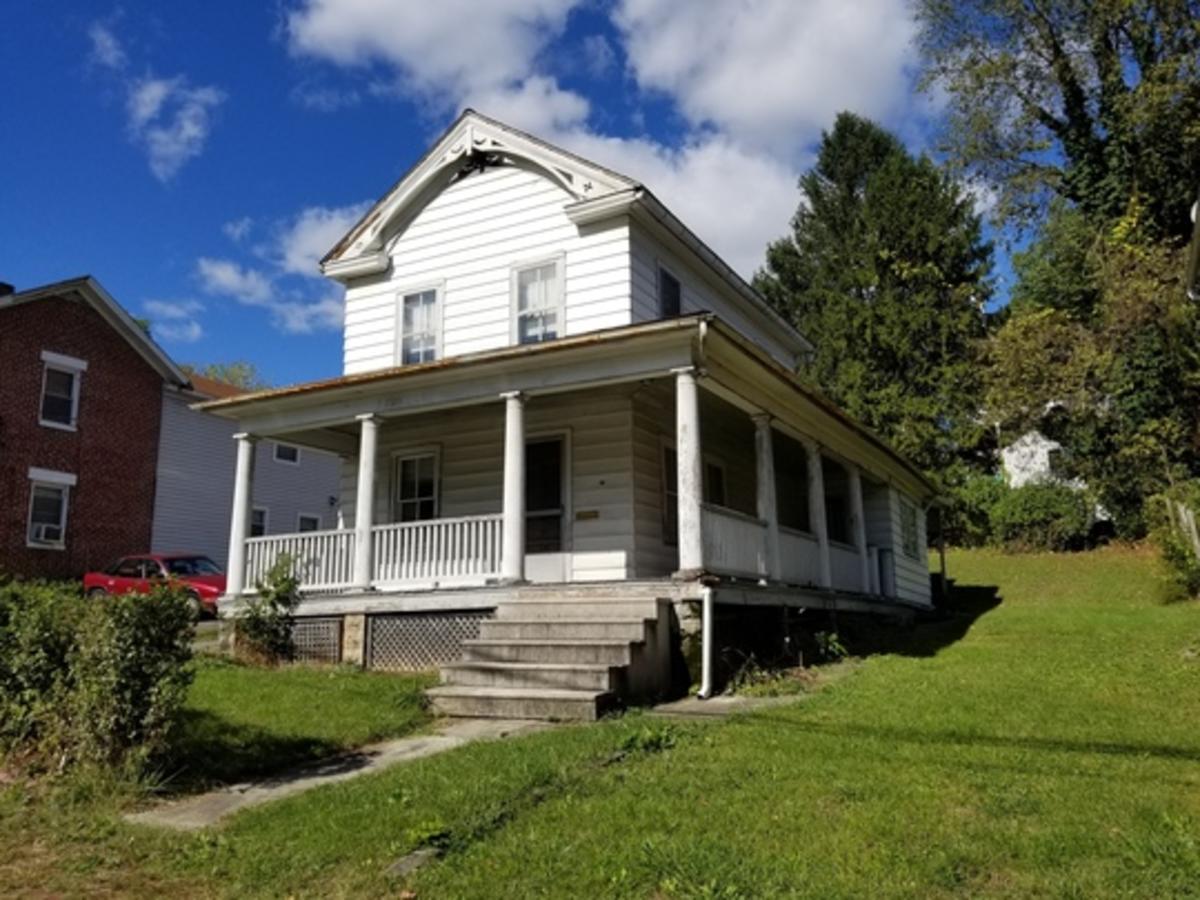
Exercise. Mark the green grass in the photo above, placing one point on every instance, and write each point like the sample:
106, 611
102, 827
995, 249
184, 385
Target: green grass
1045, 746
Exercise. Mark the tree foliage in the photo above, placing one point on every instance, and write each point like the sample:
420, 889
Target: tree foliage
1093, 101
886, 271
240, 373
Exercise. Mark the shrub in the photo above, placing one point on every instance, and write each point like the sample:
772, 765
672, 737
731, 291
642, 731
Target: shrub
264, 624
91, 681
1168, 514
969, 519
1041, 516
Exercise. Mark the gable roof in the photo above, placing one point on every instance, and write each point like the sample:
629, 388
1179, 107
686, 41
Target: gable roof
89, 290
596, 191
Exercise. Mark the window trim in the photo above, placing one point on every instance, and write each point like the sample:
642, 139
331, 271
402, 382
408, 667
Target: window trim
559, 261
287, 462
905, 506
67, 365
415, 452
718, 463
304, 515
59, 481
661, 269
266, 511
439, 314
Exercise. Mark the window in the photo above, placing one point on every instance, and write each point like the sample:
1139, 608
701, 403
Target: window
670, 497
287, 453
837, 501
192, 565
909, 542
670, 303
258, 521
60, 390
414, 489
419, 327
48, 515
308, 523
714, 483
791, 482
538, 303
130, 567
544, 505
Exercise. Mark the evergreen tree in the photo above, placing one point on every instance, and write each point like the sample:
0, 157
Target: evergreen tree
886, 272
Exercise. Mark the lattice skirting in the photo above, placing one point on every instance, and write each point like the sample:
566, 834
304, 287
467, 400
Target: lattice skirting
419, 641
318, 639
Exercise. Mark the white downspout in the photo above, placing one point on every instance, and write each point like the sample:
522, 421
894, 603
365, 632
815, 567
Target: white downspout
706, 642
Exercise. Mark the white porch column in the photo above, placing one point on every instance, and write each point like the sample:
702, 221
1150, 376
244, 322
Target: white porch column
239, 521
689, 477
816, 512
512, 549
767, 507
859, 521
364, 499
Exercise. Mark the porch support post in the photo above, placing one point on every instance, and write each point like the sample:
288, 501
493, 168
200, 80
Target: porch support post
859, 521
767, 507
239, 520
512, 550
816, 512
364, 500
690, 485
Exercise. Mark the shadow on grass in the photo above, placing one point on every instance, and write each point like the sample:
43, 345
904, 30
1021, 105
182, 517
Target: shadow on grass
209, 751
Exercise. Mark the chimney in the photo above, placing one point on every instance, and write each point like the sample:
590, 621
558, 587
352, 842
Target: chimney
5, 288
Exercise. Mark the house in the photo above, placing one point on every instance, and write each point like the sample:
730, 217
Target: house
1030, 459
295, 489
570, 431
101, 454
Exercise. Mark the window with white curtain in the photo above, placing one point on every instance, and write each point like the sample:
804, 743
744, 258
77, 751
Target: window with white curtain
419, 327
538, 302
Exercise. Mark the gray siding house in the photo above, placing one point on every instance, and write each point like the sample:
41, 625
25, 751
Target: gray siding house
295, 489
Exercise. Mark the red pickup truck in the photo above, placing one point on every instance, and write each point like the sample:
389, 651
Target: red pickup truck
199, 576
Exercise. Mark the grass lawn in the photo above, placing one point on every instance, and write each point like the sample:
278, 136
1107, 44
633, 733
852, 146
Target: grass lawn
1046, 746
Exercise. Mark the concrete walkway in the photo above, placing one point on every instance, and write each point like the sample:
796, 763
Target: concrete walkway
205, 810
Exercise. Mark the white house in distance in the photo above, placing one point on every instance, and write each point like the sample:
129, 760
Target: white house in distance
295, 489
568, 425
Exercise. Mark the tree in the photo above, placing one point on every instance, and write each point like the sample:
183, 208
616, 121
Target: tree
886, 271
1094, 101
239, 373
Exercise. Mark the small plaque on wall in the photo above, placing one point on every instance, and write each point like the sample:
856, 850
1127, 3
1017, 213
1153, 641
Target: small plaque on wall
583, 515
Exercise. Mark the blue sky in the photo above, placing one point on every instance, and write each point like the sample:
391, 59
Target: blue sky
199, 158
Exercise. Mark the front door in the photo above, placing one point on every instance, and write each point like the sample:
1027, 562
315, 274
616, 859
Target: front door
546, 557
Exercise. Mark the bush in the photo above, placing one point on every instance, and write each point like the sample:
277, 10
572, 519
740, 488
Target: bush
1172, 535
1043, 516
264, 625
969, 518
91, 681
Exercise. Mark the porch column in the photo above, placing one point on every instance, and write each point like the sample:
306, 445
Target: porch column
689, 477
512, 550
767, 507
364, 500
239, 520
859, 518
816, 511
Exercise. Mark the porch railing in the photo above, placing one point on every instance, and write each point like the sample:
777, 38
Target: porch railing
322, 560
734, 543
437, 549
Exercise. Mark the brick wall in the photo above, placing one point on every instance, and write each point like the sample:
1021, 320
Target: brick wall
113, 452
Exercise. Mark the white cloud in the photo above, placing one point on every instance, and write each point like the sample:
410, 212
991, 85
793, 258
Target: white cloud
106, 48
169, 118
237, 229
773, 73
303, 241
323, 98
230, 279
983, 194
175, 320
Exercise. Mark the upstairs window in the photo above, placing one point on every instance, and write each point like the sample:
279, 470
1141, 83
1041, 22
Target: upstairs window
287, 453
60, 391
419, 327
670, 295
538, 303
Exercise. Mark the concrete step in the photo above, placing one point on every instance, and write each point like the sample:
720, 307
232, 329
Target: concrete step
520, 703
569, 676
602, 608
562, 629
551, 650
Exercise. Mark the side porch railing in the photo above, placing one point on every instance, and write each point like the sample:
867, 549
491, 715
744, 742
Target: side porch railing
463, 550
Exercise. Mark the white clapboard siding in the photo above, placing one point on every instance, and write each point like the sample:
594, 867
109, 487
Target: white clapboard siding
800, 557
699, 294
912, 575
846, 567
193, 493
466, 241
470, 447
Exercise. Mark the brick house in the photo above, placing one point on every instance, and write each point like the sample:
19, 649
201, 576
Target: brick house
80, 412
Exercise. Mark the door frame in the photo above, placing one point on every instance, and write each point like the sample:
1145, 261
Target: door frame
552, 564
